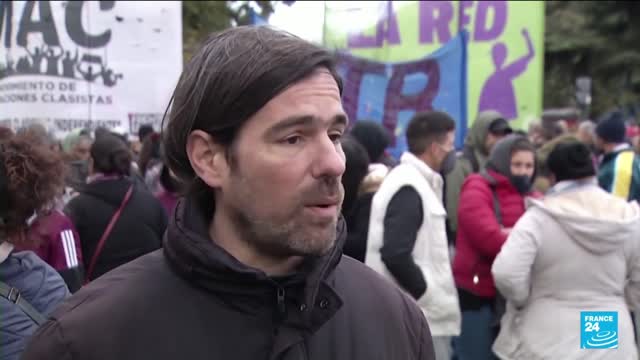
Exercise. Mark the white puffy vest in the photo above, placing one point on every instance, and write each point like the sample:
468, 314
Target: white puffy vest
430, 252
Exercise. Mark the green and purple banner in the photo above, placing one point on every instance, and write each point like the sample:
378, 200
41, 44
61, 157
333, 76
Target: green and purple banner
504, 50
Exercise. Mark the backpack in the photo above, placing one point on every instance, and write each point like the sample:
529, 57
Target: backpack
13, 295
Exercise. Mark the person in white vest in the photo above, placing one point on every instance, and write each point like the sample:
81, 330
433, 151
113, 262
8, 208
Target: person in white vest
407, 241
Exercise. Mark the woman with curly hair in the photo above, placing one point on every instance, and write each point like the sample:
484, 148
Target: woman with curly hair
31, 176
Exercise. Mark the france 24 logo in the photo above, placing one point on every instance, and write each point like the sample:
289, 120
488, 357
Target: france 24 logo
598, 329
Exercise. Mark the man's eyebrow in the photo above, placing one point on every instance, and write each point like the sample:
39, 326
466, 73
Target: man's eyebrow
304, 120
340, 119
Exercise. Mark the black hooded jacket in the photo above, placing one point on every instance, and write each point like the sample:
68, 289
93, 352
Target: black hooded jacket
193, 300
137, 232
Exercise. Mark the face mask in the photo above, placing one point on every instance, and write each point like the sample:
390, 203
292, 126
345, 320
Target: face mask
448, 163
522, 183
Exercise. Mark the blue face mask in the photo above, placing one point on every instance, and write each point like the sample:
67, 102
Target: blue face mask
522, 183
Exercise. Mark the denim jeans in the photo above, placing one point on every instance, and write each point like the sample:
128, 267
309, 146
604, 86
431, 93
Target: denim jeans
477, 335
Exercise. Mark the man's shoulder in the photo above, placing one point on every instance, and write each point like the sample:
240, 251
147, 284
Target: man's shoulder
401, 175
119, 292
357, 284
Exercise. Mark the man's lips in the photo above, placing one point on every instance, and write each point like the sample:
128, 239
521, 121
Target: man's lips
329, 211
324, 208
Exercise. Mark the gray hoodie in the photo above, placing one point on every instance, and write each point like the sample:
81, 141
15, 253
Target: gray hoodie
475, 141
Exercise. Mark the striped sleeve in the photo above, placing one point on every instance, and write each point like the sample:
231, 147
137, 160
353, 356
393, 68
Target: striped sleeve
64, 252
622, 174
68, 244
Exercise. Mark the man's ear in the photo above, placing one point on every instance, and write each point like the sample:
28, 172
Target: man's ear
207, 158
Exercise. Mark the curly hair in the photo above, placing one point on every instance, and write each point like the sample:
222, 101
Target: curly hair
31, 177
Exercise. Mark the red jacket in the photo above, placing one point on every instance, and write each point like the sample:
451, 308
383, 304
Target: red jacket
480, 236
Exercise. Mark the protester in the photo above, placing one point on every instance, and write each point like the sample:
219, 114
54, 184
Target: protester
150, 161
375, 138
76, 146
143, 131
356, 207
619, 171
54, 238
158, 178
544, 177
586, 134
169, 190
110, 195
252, 264
31, 176
407, 233
490, 205
633, 134
576, 250
487, 129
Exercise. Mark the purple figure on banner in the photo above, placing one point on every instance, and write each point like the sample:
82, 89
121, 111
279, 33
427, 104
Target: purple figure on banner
498, 92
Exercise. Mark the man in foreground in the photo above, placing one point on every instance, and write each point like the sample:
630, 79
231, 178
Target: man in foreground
252, 264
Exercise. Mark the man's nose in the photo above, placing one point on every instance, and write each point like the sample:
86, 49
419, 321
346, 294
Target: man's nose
329, 160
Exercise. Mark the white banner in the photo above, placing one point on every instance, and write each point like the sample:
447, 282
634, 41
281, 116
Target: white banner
84, 64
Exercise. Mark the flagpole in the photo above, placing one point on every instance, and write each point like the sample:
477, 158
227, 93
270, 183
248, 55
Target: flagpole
324, 23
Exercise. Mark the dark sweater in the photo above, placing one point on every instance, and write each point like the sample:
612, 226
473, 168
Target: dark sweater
401, 224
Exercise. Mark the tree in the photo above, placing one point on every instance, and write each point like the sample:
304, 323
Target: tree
597, 39
201, 18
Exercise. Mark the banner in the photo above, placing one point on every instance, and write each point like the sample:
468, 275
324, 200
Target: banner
391, 93
84, 64
505, 45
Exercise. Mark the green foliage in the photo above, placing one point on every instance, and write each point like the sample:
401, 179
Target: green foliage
597, 39
201, 18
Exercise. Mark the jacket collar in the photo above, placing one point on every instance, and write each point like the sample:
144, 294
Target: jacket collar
617, 150
570, 185
434, 178
198, 259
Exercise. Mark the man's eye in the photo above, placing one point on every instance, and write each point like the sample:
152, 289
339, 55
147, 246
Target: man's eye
335, 137
293, 140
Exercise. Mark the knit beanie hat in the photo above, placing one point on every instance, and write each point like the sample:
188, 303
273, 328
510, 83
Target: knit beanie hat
571, 161
611, 128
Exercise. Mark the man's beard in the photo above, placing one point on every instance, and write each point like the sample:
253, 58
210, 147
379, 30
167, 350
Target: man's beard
284, 236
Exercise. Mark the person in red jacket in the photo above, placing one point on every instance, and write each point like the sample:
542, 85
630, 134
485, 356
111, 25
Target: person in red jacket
491, 203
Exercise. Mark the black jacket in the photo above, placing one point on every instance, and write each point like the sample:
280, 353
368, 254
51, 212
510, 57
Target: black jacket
358, 227
137, 232
192, 300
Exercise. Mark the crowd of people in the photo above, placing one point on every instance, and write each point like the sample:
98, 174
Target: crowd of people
224, 236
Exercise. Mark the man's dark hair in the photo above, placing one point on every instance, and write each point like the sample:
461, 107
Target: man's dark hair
373, 136
425, 128
356, 168
232, 76
111, 156
143, 131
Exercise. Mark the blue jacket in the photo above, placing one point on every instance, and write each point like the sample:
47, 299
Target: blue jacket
40, 285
